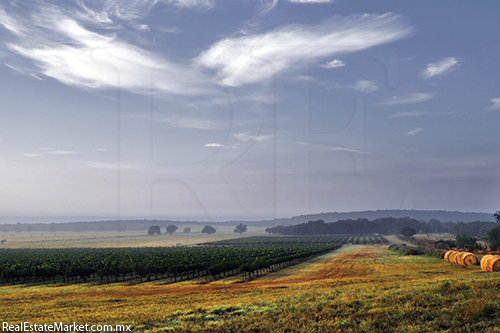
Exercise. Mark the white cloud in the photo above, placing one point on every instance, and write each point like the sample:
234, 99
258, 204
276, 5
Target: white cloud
365, 86
496, 104
415, 131
62, 152
408, 99
248, 137
220, 145
100, 149
214, 145
418, 114
334, 64
442, 67
256, 58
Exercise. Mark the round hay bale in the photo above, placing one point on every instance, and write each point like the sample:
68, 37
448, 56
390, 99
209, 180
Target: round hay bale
459, 257
453, 257
484, 262
442, 254
468, 259
490, 263
447, 255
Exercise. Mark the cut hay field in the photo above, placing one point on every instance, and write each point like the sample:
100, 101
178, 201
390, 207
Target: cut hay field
123, 239
359, 288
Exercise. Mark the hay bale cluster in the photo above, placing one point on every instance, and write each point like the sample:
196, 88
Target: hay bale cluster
462, 258
490, 263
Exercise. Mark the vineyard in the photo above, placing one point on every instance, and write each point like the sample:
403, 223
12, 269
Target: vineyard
248, 256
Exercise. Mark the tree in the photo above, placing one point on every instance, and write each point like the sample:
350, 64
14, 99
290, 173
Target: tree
468, 243
187, 230
408, 232
494, 238
208, 230
497, 216
240, 228
171, 229
154, 229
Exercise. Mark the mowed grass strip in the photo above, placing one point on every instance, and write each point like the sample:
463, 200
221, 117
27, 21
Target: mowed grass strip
356, 289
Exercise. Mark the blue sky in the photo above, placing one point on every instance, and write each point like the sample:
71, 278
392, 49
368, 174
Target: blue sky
217, 110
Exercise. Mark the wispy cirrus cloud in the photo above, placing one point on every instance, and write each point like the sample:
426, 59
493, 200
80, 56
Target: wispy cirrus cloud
415, 131
495, 104
256, 58
407, 99
419, 114
137, 9
442, 67
10, 23
77, 56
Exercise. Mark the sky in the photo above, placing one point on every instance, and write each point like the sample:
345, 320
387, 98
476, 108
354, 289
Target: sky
246, 109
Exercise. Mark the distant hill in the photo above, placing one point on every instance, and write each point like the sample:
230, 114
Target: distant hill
144, 224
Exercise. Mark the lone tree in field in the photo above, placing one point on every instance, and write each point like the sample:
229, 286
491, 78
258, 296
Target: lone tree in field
408, 232
208, 230
187, 230
171, 229
240, 228
154, 229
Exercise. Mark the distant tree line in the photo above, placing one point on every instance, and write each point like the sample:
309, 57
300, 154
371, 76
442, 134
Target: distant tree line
386, 226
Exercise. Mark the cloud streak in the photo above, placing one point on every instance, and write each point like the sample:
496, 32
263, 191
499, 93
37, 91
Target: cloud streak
442, 67
220, 145
415, 131
419, 114
247, 137
495, 105
256, 58
407, 99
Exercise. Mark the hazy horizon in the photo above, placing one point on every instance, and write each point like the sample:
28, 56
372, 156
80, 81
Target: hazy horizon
247, 109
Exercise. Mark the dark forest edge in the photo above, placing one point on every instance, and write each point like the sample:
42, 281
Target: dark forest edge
384, 226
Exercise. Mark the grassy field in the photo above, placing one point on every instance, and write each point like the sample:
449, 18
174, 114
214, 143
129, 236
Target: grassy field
124, 239
355, 289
